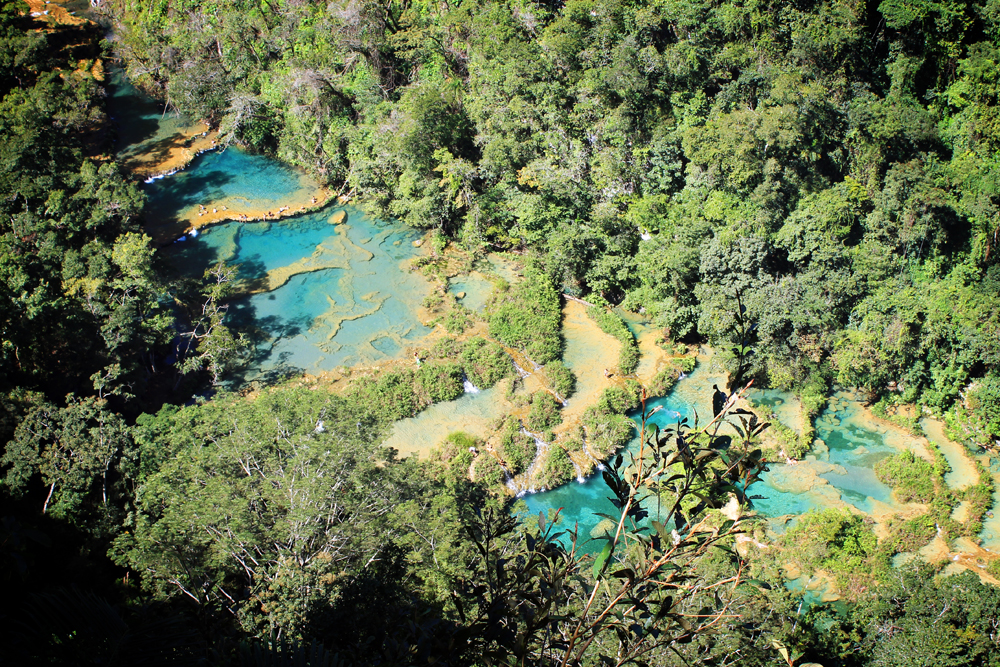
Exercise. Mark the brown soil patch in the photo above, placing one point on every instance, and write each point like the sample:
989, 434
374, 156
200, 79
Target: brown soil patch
199, 216
52, 15
173, 153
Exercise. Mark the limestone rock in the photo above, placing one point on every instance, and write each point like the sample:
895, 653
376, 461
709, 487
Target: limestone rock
338, 218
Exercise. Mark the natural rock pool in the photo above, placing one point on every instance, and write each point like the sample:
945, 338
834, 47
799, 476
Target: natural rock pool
325, 294
330, 287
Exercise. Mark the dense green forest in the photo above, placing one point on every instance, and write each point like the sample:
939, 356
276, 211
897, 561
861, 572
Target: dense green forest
835, 162
830, 166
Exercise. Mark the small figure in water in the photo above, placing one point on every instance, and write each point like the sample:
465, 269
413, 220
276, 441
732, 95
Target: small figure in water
416, 356
719, 400
607, 373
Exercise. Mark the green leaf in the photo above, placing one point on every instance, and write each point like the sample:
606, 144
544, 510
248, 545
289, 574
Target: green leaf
661, 531
602, 559
756, 583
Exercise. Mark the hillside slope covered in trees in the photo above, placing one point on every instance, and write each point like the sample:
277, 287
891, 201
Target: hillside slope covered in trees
828, 165
834, 162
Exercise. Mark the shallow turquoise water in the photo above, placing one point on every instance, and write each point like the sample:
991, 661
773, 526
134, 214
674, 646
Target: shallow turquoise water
357, 304
474, 412
783, 404
233, 174
581, 501
246, 183
851, 446
477, 291
991, 524
780, 503
361, 311
140, 120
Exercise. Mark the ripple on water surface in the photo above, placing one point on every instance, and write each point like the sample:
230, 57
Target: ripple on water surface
340, 293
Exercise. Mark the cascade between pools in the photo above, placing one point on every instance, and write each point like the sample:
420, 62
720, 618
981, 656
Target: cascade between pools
324, 286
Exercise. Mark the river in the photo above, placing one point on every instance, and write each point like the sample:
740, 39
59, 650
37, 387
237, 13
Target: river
326, 286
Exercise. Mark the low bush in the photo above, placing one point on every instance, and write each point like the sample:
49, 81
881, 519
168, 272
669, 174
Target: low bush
557, 469
389, 396
527, 316
562, 378
439, 382
611, 324
663, 382
838, 541
618, 400
912, 534
911, 477
544, 412
456, 321
488, 470
485, 362
517, 448
455, 453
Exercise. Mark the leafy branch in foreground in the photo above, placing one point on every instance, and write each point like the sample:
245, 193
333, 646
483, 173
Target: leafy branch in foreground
683, 492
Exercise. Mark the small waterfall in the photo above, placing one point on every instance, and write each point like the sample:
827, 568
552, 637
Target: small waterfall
518, 490
540, 448
579, 471
533, 364
586, 450
163, 175
469, 387
520, 371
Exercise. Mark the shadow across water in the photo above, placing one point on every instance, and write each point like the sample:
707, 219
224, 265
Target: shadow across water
316, 295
